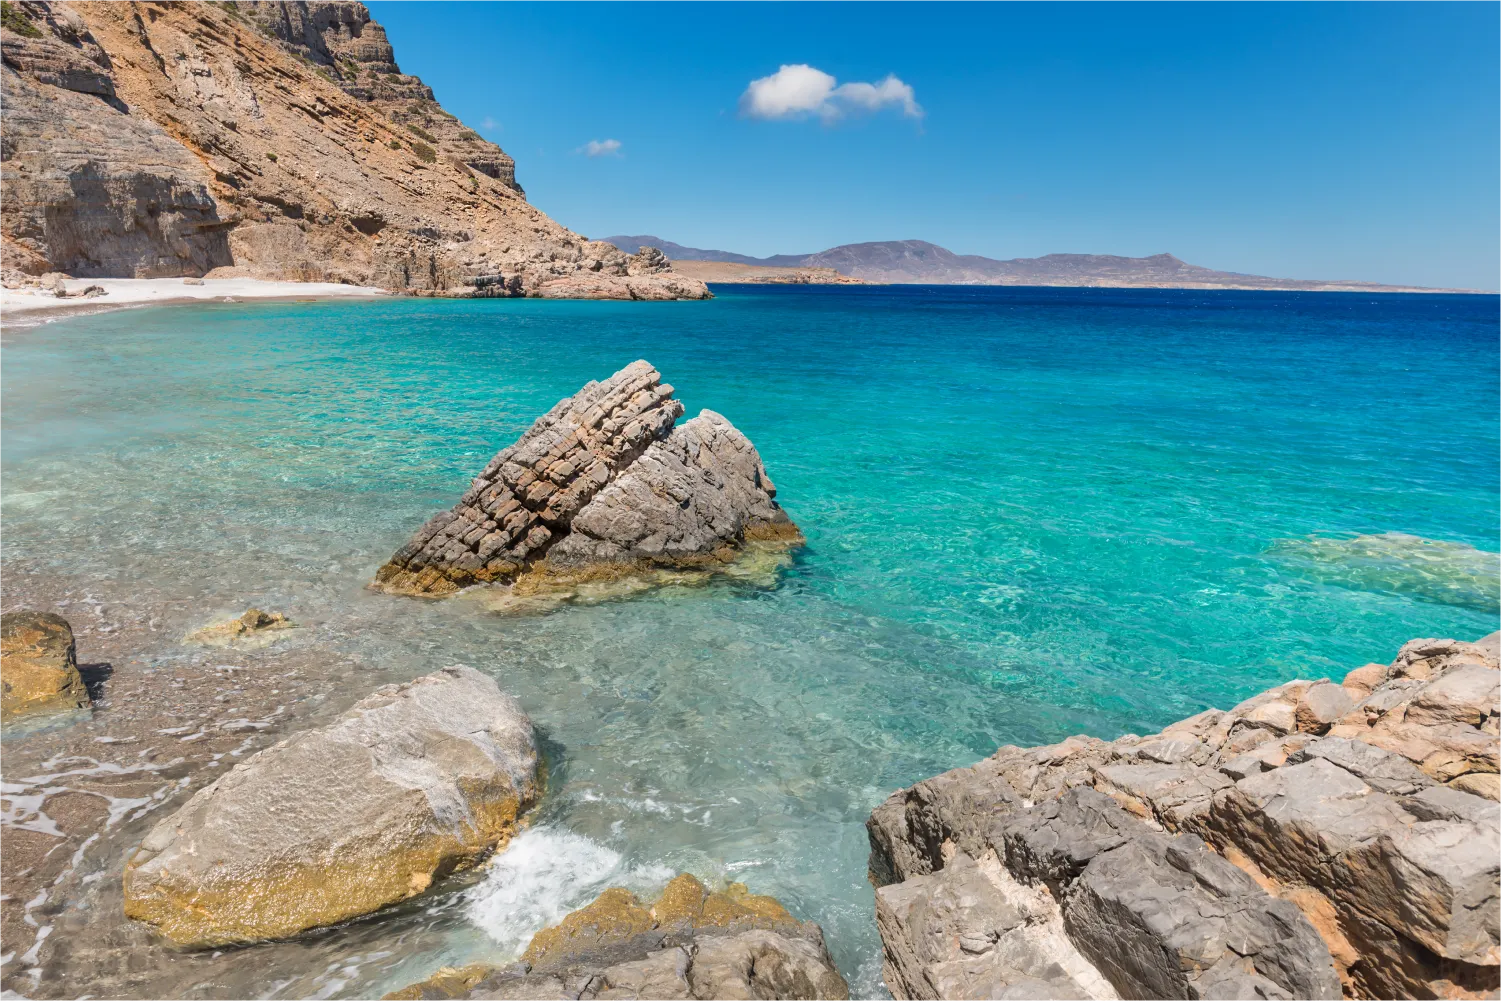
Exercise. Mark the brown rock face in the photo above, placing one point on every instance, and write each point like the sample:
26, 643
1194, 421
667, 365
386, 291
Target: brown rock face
601, 485
38, 666
1347, 830
277, 139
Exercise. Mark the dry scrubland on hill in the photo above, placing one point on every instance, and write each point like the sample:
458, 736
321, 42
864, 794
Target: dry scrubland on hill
265, 140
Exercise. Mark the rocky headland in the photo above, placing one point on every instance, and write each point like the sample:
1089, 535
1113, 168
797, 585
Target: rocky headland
266, 140
1317, 840
604, 485
918, 262
757, 274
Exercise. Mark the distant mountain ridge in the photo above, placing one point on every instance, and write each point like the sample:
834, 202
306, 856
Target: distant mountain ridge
920, 262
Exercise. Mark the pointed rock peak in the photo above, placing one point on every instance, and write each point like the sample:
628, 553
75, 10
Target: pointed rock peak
603, 484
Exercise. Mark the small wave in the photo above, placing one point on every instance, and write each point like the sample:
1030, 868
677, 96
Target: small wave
1446, 573
547, 872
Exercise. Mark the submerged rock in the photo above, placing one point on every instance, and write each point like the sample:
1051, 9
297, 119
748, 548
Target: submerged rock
1316, 837
601, 487
38, 666
412, 783
689, 943
254, 628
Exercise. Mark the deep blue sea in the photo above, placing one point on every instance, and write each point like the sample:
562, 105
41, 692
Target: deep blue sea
1029, 512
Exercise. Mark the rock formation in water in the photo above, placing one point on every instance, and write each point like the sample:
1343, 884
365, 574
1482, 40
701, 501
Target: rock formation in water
689, 943
266, 140
412, 783
602, 485
38, 666
1315, 838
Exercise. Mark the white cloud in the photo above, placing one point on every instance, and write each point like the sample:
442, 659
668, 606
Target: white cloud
489, 124
799, 90
600, 147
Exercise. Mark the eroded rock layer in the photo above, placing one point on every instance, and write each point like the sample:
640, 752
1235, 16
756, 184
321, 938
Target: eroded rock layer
266, 140
1314, 840
602, 484
689, 943
413, 782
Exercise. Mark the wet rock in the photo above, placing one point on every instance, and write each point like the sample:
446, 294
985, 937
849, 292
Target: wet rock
689, 943
410, 784
253, 628
38, 666
601, 486
1368, 808
617, 923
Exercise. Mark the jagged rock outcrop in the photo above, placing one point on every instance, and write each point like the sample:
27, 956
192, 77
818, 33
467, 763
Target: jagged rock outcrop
38, 666
1312, 831
602, 485
689, 943
412, 783
267, 140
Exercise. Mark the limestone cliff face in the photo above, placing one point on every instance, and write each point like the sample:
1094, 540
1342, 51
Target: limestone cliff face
279, 140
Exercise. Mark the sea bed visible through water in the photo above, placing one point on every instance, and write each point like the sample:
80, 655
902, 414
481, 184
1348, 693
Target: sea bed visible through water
1030, 513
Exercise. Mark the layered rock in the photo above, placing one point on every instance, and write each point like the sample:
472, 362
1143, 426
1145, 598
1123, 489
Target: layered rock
602, 485
1312, 831
412, 783
266, 140
689, 943
38, 666
91, 189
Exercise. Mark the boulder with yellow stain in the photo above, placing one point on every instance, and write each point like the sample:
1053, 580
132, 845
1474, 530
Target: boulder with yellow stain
617, 923
38, 666
412, 783
689, 943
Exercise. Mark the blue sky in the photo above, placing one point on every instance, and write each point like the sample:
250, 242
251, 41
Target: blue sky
1345, 140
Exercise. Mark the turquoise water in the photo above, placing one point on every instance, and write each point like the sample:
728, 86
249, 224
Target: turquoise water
1029, 513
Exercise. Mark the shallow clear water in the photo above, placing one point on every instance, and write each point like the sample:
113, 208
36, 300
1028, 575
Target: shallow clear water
1029, 513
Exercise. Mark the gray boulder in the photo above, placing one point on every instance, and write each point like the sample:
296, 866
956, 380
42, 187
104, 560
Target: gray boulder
602, 485
1346, 829
412, 783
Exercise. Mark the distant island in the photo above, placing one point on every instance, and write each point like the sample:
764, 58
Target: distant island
920, 263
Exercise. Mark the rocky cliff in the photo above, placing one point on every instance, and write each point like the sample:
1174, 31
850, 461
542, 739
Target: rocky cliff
1313, 841
269, 140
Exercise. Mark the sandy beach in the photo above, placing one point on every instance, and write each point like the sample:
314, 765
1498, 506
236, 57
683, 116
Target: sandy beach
28, 307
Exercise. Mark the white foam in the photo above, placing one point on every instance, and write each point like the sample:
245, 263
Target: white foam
547, 872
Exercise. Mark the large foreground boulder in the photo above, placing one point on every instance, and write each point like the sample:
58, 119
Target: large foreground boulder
689, 943
1317, 838
603, 485
412, 783
38, 666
